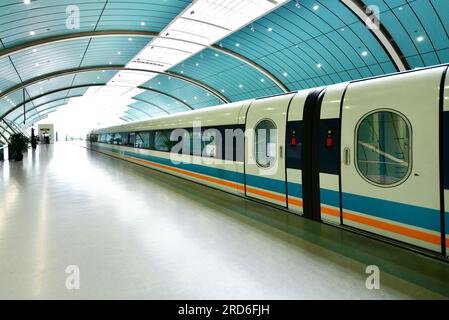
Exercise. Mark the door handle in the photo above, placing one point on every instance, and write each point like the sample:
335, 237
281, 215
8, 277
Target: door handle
347, 156
281, 152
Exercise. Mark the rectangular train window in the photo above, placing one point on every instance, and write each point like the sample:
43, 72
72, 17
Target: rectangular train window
294, 145
330, 146
132, 139
143, 140
162, 140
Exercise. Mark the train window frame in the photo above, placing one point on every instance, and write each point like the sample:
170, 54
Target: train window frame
271, 163
410, 148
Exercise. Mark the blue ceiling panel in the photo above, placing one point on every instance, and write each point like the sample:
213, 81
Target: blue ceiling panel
126, 15
233, 78
113, 50
49, 58
10, 101
93, 77
44, 18
50, 85
320, 43
162, 101
193, 95
419, 27
8, 76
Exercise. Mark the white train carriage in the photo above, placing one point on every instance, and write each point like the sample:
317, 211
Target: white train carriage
370, 155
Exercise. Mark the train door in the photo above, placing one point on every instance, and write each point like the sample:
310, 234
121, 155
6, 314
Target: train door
445, 152
390, 179
265, 149
294, 152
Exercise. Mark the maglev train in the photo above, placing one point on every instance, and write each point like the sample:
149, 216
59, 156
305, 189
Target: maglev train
370, 155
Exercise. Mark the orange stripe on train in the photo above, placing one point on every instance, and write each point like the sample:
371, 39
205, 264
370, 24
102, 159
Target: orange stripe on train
420, 235
423, 236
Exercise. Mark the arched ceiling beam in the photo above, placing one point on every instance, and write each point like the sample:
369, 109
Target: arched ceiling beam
7, 129
151, 104
5, 141
166, 94
9, 126
136, 113
376, 27
30, 116
124, 118
36, 119
256, 66
66, 72
49, 93
132, 117
43, 112
43, 104
134, 33
134, 109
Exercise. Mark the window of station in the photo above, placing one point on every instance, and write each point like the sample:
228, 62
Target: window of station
266, 143
384, 148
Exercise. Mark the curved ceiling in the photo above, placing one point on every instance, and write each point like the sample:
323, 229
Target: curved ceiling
290, 45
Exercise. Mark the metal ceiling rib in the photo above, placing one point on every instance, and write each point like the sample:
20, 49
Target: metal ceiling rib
59, 102
92, 75
49, 96
175, 99
195, 97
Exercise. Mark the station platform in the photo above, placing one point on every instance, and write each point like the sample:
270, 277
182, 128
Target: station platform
136, 233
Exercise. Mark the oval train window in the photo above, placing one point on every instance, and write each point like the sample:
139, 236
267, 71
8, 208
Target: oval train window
266, 143
383, 148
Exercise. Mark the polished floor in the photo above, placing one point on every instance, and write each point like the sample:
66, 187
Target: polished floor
138, 234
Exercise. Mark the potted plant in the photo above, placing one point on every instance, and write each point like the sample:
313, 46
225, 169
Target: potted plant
18, 144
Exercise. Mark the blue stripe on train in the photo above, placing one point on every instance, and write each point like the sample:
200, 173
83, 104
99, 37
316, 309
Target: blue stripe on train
447, 222
295, 190
408, 214
330, 197
404, 213
266, 183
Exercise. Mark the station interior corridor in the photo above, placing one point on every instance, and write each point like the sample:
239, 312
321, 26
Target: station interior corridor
136, 233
